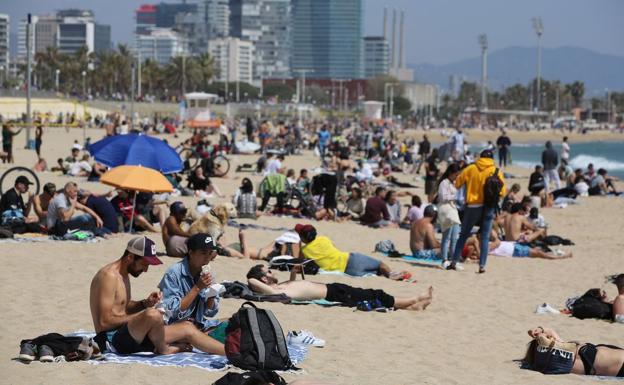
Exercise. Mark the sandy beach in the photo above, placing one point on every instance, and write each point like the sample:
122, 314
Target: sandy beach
471, 334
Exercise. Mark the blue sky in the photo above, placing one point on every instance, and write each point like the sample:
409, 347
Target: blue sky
437, 31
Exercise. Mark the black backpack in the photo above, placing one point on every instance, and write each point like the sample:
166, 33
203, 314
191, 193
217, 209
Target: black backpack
588, 306
254, 340
492, 189
251, 378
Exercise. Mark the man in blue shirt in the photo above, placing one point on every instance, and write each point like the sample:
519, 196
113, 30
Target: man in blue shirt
323, 140
186, 287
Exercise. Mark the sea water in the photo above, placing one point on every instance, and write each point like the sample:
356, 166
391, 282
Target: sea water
607, 155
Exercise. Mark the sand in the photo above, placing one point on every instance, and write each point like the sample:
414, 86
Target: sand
471, 334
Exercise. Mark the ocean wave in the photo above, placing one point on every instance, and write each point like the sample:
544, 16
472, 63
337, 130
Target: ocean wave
581, 161
526, 145
524, 164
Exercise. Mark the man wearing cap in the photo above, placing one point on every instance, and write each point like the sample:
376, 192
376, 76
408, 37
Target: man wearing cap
187, 294
128, 326
322, 250
14, 212
423, 242
174, 237
476, 213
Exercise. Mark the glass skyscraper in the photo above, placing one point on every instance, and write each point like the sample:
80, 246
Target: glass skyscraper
328, 38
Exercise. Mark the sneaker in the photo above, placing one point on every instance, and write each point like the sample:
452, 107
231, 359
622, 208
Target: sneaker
446, 264
303, 337
27, 352
46, 354
546, 309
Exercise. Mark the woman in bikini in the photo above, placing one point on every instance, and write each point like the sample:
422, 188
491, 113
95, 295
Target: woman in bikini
589, 359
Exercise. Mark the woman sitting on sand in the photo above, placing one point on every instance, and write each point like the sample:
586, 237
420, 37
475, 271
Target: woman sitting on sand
547, 353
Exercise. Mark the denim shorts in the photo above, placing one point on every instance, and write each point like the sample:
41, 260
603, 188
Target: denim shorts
360, 264
521, 251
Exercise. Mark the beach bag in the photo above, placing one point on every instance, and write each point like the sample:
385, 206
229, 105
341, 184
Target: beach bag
492, 190
255, 340
12, 218
286, 262
553, 357
254, 377
588, 306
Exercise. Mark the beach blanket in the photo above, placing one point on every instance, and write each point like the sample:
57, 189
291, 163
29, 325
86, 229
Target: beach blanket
424, 261
45, 238
233, 223
195, 359
320, 302
329, 272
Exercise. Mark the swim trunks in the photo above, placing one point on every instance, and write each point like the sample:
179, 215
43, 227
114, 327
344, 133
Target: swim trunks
122, 342
426, 254
521, 251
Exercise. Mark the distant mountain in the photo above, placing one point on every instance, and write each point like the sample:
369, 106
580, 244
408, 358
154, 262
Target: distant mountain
513, 65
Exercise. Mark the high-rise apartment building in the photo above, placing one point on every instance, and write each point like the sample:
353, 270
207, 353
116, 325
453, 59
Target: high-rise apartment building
21, 39
166, 13
160, 45
376, 56
4, 45
233, 58
145, 19
45, 30
216, 18
267, 24
328, 38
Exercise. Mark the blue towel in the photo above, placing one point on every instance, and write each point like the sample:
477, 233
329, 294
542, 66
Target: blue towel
195, 359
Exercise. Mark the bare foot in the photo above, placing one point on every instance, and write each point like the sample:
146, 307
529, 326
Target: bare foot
241, 239
172, 349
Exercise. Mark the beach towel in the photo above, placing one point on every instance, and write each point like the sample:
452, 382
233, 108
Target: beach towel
45, 238
196, 359
233, 223
329, 272
320, 302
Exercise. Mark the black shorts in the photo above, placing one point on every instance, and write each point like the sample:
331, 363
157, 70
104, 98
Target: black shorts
123, 342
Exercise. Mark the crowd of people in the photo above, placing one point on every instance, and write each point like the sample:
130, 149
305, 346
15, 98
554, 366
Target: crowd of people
361, 177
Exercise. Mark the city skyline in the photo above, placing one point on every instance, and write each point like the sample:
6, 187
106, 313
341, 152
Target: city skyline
454, 24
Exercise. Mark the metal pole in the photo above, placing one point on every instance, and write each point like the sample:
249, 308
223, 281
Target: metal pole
539, 71
28, 79
139, 90
557, 100
56, 79
132, 88
183, 73
392, 102
237, 90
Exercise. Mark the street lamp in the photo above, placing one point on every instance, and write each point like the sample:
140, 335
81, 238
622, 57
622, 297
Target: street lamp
56, 79
84, 84
483, 42
1, 76
539, 30
389, 101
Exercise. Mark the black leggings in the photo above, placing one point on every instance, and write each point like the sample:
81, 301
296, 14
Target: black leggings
502, 156
350, 296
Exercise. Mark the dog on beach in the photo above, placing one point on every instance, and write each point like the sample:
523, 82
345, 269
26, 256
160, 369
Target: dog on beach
214, 221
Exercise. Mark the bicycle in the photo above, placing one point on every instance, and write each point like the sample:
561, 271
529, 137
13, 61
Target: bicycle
18, 171
191, 159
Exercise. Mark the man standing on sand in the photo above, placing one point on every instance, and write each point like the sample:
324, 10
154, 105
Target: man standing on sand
261, 280
126, 326
503, 142
424, 148
474, 178
550, 161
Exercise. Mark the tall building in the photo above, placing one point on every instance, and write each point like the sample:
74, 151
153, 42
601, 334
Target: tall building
160, 45
376, 59
21, 39
145, 19
233, 58
216, 18
4, 45
328, 38
267, 24
45, 30
166, 13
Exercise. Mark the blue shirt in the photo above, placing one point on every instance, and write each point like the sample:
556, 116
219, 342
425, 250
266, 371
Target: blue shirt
176, 284
105, 210
323, 137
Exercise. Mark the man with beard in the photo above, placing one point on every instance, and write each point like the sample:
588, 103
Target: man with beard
126, 326
261, 280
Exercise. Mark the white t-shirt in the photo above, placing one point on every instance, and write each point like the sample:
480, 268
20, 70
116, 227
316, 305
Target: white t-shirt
77, 167
58, 202
273, 166
415, 213
505, 249
565, 151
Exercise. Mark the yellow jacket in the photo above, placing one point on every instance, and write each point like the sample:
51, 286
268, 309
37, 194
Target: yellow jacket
474, 177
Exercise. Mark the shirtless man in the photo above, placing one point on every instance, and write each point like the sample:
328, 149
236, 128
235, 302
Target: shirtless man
518, 228
423, 242
618, 302
174, 237
134, 326
261, 280
42, 201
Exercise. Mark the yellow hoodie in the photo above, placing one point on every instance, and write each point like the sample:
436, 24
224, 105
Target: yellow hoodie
474, 177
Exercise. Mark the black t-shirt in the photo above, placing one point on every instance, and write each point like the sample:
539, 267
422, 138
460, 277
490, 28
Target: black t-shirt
432, 168
503, 142
11, 200
424, 147
196, 183
105, 210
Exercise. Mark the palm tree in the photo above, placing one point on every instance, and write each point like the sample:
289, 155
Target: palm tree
151, 75
207, 69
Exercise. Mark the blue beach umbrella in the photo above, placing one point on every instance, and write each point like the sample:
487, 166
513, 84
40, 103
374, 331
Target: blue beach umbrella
137, 150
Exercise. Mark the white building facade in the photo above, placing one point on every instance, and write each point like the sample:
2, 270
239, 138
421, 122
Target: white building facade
234, 59
160, 45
